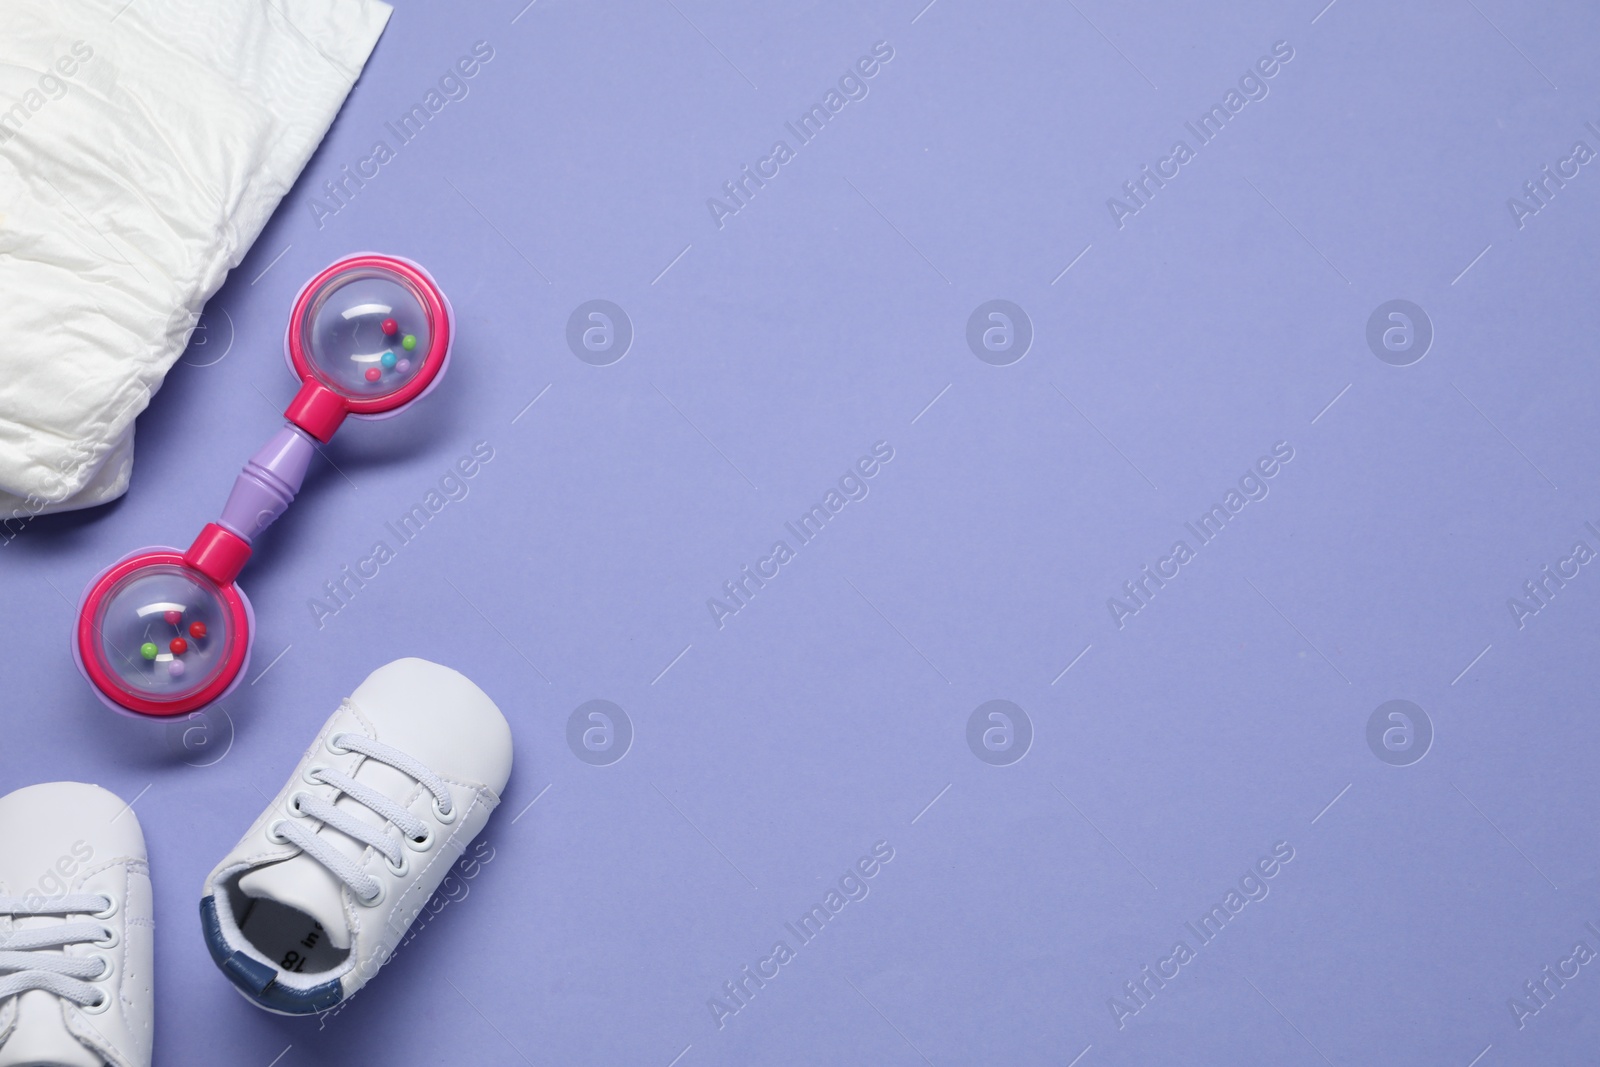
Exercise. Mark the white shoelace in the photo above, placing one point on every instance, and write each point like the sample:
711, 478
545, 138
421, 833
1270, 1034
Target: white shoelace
27, 961
341, 866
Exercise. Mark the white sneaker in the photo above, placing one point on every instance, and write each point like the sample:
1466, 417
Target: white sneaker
76, 933
403, 776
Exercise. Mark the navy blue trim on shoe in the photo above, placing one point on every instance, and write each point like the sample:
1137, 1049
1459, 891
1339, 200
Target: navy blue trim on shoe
258, 981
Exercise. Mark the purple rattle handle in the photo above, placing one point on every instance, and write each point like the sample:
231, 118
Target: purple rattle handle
268, 483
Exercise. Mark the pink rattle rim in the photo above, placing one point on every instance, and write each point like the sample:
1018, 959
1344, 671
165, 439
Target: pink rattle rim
106, 684
441, 318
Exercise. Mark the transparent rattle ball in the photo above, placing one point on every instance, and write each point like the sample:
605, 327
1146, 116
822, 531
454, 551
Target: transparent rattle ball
366, 332
164, 632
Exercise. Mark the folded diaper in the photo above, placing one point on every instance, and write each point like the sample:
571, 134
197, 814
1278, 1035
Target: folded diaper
143, 145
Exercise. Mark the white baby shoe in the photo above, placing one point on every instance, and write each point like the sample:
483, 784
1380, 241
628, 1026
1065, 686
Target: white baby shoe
76, 935
314, 900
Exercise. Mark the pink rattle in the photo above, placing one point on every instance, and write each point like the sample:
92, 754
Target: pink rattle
163, 632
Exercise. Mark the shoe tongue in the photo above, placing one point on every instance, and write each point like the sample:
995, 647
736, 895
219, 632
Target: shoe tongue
41, 1038
305, 885
302, 883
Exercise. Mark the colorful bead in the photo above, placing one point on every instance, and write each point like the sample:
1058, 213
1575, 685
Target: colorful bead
408, 342
388, 360
178, 646
173, 617
403, 366
175, 668
148, 650
197, 630
390, 327
373, 374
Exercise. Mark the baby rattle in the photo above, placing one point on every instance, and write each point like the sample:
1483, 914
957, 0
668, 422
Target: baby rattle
163, 632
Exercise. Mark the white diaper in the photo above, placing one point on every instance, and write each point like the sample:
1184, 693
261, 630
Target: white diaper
143, 146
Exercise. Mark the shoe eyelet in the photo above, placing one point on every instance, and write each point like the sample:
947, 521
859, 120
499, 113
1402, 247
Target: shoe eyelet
423, 843
110, 909
97, 1007
333, 746
309, 775
376, 899
400, 870
105, 967
111, 940
275, 835
446, 817
294, 805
